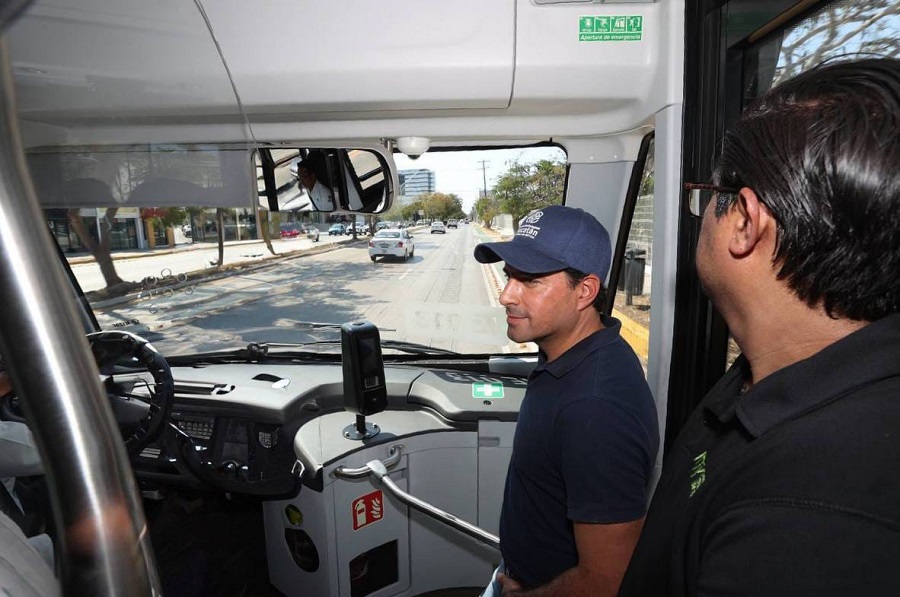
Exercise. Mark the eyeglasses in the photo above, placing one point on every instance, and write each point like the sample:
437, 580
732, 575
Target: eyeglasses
700, 194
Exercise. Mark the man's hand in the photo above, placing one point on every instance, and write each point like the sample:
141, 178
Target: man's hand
5, 383
509, 586
603, 554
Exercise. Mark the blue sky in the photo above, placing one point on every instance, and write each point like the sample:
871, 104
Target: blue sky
460, 172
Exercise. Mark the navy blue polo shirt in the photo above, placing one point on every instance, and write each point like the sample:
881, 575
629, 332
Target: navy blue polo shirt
585, 444
791, 488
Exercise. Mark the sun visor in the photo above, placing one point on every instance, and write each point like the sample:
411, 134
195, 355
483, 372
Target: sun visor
144, 177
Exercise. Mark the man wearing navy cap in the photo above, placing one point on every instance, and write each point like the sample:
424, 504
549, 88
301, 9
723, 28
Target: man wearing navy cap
587, 434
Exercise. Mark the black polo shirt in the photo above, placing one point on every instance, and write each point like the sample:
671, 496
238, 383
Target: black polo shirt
792, 488
585, 444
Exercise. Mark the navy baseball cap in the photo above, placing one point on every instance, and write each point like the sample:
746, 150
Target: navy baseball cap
552, 239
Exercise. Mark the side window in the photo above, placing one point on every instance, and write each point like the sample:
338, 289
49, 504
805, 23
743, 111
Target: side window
632, 292
847, 28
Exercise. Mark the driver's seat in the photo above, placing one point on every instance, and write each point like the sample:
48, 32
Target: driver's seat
19, 458
23, 572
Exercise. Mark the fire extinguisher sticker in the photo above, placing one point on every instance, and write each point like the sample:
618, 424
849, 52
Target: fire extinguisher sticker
367, 509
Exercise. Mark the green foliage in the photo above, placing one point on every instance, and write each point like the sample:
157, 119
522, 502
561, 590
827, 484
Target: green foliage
486, 209
435, 206
526, 187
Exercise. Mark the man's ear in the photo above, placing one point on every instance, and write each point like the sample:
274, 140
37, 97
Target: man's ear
748, 219
589, 288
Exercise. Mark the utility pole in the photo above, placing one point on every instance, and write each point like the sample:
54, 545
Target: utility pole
484, 164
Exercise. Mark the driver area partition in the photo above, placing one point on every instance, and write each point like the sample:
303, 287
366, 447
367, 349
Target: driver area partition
368, 543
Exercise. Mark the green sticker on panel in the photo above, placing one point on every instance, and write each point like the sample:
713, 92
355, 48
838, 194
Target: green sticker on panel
618, 28
490, 391
294, 515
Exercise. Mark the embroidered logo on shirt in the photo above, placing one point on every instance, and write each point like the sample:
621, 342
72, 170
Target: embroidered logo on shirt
698, 473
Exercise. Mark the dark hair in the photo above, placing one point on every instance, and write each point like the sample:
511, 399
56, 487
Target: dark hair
822, 152
574, 276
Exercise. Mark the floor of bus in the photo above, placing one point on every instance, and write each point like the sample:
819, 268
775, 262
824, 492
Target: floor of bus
207, 545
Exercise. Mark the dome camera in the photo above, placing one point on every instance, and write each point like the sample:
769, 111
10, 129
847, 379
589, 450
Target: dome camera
413, 147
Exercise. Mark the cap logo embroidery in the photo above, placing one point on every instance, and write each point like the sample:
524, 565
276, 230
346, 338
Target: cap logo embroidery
527, 227
533, 217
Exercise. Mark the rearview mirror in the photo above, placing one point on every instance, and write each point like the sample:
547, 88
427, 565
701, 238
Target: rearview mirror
323, 179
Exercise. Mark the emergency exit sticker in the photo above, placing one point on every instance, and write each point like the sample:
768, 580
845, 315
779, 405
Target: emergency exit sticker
487, 391
617, 28
367, 509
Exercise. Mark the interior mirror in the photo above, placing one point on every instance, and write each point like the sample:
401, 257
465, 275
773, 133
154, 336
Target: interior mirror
323, 179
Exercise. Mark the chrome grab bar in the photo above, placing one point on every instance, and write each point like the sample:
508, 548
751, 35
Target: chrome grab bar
379, 470
391, 461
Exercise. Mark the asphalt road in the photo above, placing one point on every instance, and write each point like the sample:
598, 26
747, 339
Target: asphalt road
441, 297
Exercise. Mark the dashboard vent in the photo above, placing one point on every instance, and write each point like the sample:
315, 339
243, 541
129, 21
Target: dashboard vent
202, 388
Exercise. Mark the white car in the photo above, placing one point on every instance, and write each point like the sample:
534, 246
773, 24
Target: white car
438, 227
391, 242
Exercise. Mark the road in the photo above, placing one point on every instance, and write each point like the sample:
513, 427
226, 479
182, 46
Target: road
441, 297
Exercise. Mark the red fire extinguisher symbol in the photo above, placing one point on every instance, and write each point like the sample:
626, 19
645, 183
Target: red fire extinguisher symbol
367, 509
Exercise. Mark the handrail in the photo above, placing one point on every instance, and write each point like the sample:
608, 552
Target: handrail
391, 461
379, 470
381, 473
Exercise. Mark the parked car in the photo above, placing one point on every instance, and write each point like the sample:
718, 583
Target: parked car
312, 233
337, 230
438, 227
290, 231
392, 242
451, 223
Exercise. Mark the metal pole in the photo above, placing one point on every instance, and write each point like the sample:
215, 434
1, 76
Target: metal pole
102, 533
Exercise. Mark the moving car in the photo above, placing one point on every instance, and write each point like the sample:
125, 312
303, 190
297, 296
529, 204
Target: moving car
337, 230
289, 231
392, 242
438, 227
451, 223
312, 233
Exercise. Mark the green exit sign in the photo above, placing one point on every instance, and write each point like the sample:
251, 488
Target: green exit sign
611, 28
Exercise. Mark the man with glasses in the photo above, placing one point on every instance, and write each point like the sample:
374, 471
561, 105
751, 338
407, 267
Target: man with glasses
785, 479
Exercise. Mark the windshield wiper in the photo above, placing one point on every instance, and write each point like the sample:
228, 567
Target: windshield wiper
407, 347
258, 351
252, 353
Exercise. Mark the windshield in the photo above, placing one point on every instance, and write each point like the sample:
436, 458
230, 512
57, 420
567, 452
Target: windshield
195, 269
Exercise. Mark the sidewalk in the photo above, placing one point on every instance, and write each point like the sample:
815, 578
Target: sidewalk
85, 257
164, 250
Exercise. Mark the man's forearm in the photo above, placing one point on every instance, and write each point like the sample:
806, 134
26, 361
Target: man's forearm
574, 582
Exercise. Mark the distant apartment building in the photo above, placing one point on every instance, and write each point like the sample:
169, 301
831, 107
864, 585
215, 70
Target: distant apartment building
414, 183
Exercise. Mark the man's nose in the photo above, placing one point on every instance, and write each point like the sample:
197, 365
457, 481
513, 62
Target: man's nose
508, 296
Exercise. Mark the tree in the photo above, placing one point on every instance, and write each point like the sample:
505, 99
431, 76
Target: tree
526, 187
838, 29
99, 249
441, 206
80, 190
486, 209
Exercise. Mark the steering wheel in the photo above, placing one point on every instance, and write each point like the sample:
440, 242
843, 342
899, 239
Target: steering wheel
142, 415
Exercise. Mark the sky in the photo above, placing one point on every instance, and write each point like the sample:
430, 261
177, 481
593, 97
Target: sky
460, 172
